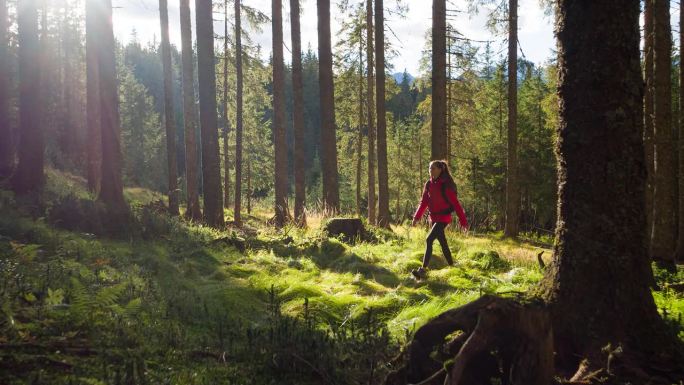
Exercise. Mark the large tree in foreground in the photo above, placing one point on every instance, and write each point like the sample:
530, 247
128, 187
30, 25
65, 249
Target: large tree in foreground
648, 112
189, 117
28, 176
211, 166
598, 282
595, 308
169, 116
331, 195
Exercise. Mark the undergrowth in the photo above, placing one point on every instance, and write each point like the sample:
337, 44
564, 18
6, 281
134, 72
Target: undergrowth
178, 303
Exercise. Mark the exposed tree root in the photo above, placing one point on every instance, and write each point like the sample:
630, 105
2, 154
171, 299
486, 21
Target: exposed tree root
513, 341
501, 339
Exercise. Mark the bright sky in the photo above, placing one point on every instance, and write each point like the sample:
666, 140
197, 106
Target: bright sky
535, 29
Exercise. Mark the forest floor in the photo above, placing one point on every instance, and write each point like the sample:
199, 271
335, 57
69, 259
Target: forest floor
166, 301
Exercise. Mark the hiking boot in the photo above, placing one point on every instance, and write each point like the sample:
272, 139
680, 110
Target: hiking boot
419, 273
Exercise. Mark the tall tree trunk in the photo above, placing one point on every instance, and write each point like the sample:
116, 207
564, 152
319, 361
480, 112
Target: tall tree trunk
449, 100
282, 212
439, 79
383, 177
371, 113
597, 283
189, 117
512, 189
211, 166
679, 254
111, 186
93, 131
298, 115
648, 113
226, 121
359, 140
238, 116
663, 240
28, 176
169, 116
6, 142
331, 195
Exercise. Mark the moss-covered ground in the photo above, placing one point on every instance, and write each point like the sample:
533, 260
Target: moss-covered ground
167, 301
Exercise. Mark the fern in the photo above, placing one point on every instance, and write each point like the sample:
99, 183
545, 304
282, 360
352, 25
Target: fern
81, 301
132, 308
107, 296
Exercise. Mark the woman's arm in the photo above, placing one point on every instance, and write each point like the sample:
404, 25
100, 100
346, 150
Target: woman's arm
423, 204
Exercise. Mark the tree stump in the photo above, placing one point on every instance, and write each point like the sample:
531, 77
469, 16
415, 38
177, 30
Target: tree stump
519, 333
347, 229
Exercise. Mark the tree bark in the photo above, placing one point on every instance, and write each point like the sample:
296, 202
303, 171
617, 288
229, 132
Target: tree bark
169, 116
238, 120
648, 113
371, 113
93, 12
438, 80
189, 116
298, 115
359, 140
111, 186
679, 253
331, 195
28, 176
383, 183
663, 239
226, 121
282, 212
598, 282
512, 189
211, 166
6, 142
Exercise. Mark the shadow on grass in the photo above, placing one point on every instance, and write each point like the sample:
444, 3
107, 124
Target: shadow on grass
332, 255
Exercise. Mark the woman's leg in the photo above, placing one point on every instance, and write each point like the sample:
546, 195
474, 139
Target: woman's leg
437, 229
441, 237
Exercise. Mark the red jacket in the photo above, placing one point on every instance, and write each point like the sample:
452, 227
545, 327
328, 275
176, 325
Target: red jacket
434, 200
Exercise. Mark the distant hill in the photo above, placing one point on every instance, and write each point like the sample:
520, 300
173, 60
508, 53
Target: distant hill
398, 76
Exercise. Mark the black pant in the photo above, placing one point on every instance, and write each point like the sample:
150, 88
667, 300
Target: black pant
437, 232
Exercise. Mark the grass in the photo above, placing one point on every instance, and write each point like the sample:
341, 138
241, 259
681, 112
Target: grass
184, 292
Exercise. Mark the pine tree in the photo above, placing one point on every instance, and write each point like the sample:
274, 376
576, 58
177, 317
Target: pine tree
663, 239
331, 196
601, 187
6, 142
281, 210
28, 176
111, 186
226, 120
439, 80
371, 113
211, 167
298, 115
383, 182
512, 189
239, 118
93, 130
189, 117
169, 116
648, 112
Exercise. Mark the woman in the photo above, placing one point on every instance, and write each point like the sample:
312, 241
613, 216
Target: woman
439, 196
